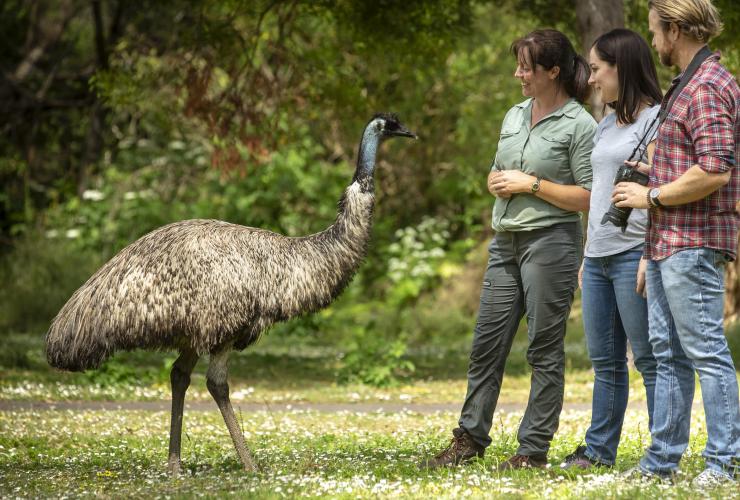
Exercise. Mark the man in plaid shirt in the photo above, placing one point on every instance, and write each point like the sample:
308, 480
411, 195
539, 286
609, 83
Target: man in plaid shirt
694, 186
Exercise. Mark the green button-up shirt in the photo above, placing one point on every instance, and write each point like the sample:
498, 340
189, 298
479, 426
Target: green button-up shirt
557, 149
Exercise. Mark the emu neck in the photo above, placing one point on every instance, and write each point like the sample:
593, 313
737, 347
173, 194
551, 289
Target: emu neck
350, 233
330, 258
367, 154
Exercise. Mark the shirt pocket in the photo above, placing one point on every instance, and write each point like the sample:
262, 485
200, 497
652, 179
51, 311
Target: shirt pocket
555, 149
509, 148
508, 133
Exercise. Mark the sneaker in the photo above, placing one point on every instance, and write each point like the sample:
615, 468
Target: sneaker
579, 460
711, 478
525, 462
461, 449
637, 473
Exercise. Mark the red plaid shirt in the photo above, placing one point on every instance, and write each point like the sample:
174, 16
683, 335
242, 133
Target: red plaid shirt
702, 128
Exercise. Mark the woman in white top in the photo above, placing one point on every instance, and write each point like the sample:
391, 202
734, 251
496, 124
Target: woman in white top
614, 309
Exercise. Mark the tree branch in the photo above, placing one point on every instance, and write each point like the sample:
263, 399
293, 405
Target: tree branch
50, 31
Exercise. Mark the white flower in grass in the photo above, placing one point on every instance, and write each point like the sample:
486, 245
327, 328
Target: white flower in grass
73, 233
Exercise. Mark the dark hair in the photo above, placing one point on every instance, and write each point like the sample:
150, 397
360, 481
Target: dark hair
638, 80
550, 48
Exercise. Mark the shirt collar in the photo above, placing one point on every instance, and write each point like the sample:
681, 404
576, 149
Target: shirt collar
716, 56
569, 109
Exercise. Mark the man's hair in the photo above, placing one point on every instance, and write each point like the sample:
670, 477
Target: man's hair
698, 19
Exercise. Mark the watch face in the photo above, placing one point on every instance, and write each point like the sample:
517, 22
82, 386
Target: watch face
654, 193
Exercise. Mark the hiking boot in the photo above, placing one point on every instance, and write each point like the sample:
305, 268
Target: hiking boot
525, 462
579, 460
461, 449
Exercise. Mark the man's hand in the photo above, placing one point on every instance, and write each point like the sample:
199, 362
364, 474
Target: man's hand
504, 183
630, 194
641, 269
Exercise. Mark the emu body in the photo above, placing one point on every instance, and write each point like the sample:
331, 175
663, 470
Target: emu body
207, 287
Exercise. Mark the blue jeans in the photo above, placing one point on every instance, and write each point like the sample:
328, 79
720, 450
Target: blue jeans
612, 314
685, 304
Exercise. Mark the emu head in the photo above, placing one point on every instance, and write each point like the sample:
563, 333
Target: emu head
387, 125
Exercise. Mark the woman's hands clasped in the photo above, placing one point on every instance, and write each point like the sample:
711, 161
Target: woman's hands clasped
504, 183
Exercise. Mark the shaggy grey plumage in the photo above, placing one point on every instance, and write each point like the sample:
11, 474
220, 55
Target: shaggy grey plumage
207, 286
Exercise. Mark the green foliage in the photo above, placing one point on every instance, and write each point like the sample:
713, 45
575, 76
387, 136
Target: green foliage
38, 277
251, 112
374, 358
154, 182
417, 260
121, 371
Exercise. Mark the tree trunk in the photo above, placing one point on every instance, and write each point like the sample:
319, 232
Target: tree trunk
596, 17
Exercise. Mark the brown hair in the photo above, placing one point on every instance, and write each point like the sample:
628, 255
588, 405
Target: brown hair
550, 48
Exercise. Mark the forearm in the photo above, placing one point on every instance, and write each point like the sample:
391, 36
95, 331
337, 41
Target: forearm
567, 197
695, 184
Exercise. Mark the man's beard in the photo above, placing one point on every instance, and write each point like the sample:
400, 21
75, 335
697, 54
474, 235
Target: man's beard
665, 56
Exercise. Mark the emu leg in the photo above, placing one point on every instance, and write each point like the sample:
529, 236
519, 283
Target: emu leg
180, 380
219, 389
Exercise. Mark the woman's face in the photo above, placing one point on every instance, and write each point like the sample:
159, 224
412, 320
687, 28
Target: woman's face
535, 80
604, 78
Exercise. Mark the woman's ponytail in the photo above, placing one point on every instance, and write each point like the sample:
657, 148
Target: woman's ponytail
578, 86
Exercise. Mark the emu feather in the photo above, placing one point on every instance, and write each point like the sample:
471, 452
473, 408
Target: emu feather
207, 287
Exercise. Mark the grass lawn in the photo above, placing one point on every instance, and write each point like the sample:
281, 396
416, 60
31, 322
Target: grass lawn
304, 453
347, 454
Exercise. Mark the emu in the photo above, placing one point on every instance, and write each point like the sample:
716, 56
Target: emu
209, 287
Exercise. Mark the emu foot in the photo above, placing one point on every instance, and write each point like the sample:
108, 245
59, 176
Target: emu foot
174, 466
249, 464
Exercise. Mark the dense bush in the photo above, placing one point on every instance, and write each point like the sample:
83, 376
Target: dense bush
37, 279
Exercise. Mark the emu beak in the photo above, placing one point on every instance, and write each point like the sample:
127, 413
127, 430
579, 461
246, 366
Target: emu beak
404, 132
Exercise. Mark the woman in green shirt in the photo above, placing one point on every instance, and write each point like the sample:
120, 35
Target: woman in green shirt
541, 178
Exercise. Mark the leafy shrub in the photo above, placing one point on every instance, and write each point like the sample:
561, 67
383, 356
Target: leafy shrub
374, 358
420, 257
121, 370
38, 277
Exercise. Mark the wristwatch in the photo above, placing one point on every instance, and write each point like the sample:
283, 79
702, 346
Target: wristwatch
536, 185
653, 200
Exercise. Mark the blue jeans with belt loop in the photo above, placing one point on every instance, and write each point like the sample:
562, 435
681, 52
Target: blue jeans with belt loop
613, 313
685, 307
